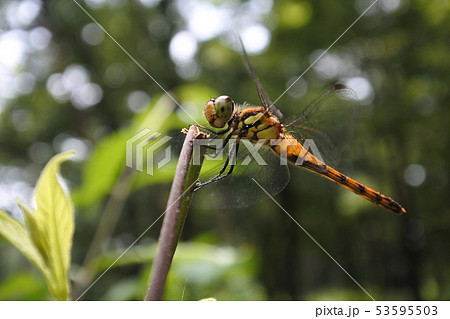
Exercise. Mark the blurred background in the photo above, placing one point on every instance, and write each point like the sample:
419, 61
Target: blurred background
65, 84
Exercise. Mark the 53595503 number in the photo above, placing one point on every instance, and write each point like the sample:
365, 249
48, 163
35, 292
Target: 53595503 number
406, 310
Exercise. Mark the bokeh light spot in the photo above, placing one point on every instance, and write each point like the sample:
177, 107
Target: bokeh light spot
149, 3
390, 5
137, 100
13, 46
81, 148
294, 14
328, 66
86, 96
415, 175
40, 152
297, 89
92, 34
363, 89
39, 38
115, 75
183, 47
256, 38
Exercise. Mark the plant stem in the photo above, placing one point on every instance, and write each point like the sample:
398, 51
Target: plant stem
178, 204
105, 229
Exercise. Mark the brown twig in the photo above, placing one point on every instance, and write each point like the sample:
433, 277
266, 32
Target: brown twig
177, 208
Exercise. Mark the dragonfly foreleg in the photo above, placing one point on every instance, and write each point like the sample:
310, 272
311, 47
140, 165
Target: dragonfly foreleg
219, 149
214, 132
219, 176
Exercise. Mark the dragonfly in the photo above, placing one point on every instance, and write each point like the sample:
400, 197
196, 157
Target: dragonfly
324, 126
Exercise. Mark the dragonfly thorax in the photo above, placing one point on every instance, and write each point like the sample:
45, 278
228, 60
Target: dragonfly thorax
219, 111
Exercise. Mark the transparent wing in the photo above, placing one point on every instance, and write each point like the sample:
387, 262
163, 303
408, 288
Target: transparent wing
265, 99
239, 189
329, 122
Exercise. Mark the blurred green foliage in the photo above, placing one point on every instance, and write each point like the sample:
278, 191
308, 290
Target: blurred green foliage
81, 91
46, 237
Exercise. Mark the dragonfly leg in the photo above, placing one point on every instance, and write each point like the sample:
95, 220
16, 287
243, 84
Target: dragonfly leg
219, 176
218, 149
212, 131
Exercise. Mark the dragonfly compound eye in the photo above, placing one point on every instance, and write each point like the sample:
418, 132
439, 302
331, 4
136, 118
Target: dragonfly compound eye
219, 111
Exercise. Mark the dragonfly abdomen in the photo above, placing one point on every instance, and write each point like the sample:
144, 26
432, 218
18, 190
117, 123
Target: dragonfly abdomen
289, 147
356, 187
300, 156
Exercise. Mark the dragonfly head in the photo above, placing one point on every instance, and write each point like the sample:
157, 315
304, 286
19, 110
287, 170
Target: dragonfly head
219, 111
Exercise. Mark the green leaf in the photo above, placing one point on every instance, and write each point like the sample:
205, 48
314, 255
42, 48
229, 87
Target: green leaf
54, 222
101, 170
18, 236
33, 227
23, 285
107, 161
46, 240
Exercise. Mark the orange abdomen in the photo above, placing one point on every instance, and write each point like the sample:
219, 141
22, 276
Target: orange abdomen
298, 155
